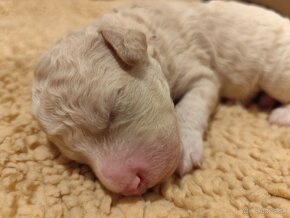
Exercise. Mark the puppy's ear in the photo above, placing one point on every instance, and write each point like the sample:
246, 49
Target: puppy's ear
129, 45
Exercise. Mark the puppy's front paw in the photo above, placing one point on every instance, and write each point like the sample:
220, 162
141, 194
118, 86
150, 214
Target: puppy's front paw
280, 116
192, 153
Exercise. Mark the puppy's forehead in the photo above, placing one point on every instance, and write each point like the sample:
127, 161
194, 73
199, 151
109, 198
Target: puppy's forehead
82, 42
82, 52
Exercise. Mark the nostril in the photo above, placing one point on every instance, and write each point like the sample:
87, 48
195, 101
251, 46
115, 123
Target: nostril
135, 183
136, 186
141, 183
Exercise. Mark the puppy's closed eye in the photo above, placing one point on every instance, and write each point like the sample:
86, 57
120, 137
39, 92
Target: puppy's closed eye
112, 116
114, 112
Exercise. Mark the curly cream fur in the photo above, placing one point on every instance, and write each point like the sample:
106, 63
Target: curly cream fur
196, 53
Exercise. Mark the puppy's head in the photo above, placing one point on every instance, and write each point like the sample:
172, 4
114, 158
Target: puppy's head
103, 101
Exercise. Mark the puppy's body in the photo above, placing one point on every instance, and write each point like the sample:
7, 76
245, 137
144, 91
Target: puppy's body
242, 44
235, 50
193, 53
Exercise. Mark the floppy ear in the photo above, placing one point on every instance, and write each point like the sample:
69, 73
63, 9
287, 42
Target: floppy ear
129, 45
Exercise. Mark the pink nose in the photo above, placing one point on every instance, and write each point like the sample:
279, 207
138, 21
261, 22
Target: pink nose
133, 172
125, 178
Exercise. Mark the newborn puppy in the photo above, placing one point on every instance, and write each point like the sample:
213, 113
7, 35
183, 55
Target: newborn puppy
104, 94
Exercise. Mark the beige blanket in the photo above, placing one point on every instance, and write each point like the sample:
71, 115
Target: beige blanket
246, 169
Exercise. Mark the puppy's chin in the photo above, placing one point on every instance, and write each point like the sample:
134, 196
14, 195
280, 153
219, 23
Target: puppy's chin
133, 172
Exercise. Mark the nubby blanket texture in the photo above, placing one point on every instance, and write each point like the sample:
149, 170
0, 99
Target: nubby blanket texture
246, 168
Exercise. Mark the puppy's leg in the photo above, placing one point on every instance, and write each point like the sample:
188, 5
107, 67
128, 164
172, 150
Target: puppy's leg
278, 86
280, 116
193, 112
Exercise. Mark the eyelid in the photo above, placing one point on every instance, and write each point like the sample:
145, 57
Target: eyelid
120, 91
114, 110
112, 116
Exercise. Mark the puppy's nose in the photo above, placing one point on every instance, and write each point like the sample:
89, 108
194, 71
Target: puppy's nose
133, 172
127, 178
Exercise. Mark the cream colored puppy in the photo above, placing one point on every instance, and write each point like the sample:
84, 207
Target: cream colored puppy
104, 94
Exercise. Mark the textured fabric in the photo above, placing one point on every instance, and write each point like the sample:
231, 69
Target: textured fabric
246, 168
